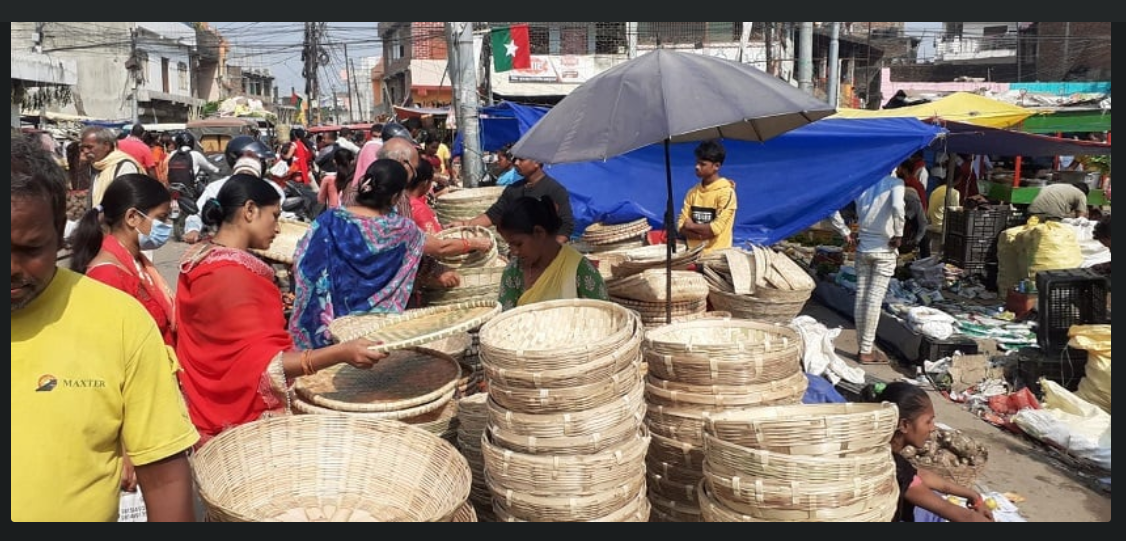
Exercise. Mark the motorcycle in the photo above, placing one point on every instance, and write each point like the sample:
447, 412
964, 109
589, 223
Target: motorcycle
301, 201
185, 197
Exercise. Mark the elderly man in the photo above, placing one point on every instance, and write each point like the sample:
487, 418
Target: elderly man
99, 148
84, 394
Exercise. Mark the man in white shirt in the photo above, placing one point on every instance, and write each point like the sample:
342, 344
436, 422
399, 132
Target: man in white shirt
882, 216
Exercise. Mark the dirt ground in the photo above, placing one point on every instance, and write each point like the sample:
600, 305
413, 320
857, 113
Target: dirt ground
1054, 491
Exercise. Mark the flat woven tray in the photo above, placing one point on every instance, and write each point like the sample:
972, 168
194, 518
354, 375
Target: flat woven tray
406, 379
415, 327
284, 246
651, 286
472, 259
816, 430
301, 406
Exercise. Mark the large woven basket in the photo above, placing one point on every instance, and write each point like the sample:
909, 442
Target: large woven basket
672, 490
284, 246
574, 474
556, 335
796, 468
635, 511
724, 352
326, 468
685, 423
655, 257
582, 444
458, 295
666, 510
470, 197
722, 397
789, 500
583, 372
568, 399
754, 308
671, 451
627, 409
404, 380
561, 507
600, 233
472, 259
652, 286
415, 327
815, 430
881, 509
301, 406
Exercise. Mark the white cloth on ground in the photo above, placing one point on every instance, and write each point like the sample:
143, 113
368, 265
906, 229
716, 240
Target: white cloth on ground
820, 357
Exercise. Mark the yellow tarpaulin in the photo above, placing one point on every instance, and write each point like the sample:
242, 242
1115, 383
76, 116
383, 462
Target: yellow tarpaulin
958, 107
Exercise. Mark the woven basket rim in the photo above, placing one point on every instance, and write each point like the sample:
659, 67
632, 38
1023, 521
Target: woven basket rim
659, 338
284, 246
383, 323
302, 387
715, 511
614, 338
301, 406
470, 194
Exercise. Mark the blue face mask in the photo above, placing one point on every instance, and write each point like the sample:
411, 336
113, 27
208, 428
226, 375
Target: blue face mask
157, 237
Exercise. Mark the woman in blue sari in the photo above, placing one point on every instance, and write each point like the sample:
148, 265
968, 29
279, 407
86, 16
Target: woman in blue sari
356, 260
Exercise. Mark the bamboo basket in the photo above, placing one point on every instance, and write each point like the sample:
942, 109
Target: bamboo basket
406, 379
469, 196
814, 430
322, 468
581, 373
606, 262
567, 399
798, 500
566, 507
301, 406
782, 296
636, 511
666, 510
465, 513
655, 257
962, 474
472, 259
627, 409
651, 287
556, 335
702, 316
441, 422
675, 473
414, 327
729, 352
721, 397
284, 246
672, 490
455, 346
585, 444
795, 468
473, 413
880, 510
476, 278
458, 295
682, 423
562, 475
753, 308
671, 451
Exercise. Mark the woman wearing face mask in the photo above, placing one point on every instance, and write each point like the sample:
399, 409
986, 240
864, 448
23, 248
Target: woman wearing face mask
135, 212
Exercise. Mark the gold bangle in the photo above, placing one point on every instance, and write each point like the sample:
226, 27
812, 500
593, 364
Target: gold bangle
307, 363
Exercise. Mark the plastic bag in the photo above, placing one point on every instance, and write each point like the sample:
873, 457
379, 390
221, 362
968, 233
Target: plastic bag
1095, 385
1070, 423
820, 358
931, 322
1053, 246
132, 508
1012, 257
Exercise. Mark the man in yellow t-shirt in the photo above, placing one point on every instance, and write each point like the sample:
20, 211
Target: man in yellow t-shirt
91, 376
708, 216
936, 215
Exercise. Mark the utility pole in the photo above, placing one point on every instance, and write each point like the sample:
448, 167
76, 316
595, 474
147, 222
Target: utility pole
768, 38
136, 74
359, 96
351, 100
631, 40
834, 63
313, 55
465, 89
805, 58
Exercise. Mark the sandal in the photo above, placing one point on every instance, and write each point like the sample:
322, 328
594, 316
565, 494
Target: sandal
878, 358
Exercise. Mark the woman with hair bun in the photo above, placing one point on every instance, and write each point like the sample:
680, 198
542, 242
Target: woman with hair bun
238, 360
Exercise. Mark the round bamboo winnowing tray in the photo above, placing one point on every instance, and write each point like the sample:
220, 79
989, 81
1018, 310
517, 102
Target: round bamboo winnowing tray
754, 308
683, 423
455, 345
666, 510
670, 451
672, 490
556, 335
583, 372
793, 500
327, 468
814, 430
405, 379
568, 399
301, 406
651, 286
722, 397
284, 246
796, 468
470, 196
548, 507
565, 475
726, 352
627, 409
585, 444
654, 257
673, 472
879, 510
635, 511
472, 259
601, 234
414, 327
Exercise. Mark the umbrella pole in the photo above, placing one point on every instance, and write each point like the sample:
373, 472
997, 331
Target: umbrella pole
670, 234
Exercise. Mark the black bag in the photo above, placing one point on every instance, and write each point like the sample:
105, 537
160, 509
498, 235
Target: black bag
181, 168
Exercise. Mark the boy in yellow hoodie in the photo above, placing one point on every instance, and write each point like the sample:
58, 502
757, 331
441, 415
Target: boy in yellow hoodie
708, 216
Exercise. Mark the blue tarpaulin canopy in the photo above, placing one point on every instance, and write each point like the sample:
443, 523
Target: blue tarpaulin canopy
502, 124
784, 185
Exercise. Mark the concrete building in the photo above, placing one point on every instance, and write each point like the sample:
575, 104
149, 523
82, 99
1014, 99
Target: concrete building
415, 58
39, 81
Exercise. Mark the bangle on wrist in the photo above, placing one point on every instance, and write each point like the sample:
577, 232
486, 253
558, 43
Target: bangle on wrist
307, 363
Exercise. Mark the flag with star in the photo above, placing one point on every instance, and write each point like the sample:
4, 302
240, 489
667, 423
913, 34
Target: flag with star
511, 48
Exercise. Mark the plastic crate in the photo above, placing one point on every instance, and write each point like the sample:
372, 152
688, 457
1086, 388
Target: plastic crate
979, 223
1066, 368
1068, 298
970, 254
932, 349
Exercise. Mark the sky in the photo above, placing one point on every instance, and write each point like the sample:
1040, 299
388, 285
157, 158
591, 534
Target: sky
277, 46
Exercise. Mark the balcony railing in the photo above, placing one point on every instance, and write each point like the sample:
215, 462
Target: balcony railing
970, 48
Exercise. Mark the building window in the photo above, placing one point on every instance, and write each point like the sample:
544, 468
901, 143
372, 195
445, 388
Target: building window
182, 72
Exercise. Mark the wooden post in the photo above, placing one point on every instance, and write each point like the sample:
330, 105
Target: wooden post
1016, 173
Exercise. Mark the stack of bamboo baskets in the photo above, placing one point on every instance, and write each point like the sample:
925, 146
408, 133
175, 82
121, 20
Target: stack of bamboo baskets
472, 417
761, 285
565, 440
700, 369
646, 294
606, 241
480, 272
464, 205
816, 463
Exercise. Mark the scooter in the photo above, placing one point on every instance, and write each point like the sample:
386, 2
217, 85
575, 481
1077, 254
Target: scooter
301, 201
